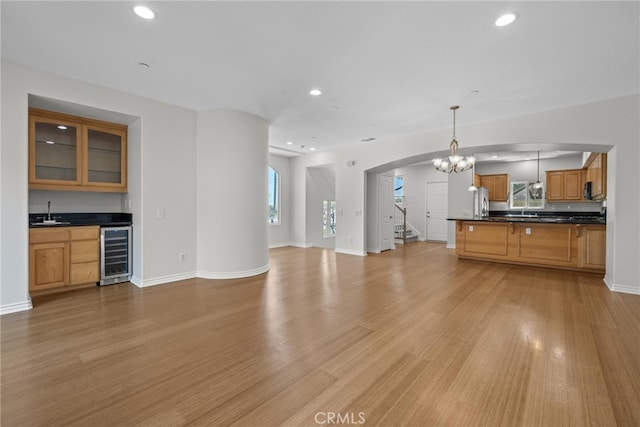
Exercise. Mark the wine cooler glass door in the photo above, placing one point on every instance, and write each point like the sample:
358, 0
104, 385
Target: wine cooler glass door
116, 254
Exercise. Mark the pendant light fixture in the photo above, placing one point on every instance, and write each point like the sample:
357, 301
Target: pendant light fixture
472, 187
538, 184
454, 163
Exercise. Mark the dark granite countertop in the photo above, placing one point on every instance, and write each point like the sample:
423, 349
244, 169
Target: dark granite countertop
102, 219
545, 217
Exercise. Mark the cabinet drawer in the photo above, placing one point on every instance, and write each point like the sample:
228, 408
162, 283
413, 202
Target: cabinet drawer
49, 235
85, 233
86, 272
85, 251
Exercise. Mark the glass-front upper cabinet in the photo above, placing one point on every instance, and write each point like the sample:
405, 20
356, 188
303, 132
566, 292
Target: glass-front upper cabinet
74, 153
105, 159
55, 151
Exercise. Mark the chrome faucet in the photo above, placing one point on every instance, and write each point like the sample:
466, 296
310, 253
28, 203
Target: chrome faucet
49, 210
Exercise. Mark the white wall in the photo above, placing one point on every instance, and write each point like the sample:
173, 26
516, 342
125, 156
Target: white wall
163, 175
594, 127
165, 140
232, 194
279, 233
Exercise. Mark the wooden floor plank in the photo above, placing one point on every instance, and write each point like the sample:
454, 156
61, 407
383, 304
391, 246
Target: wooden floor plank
412, 336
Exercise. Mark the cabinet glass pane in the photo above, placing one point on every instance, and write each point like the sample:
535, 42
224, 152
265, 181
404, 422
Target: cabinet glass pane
105, 151
56, 152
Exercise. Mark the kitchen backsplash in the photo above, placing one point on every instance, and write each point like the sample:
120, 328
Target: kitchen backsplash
553, 206
74, 201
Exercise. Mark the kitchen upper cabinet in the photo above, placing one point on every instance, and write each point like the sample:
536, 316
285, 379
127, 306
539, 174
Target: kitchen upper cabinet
597, 175
565, 185
62, 257
73, 153
498, 186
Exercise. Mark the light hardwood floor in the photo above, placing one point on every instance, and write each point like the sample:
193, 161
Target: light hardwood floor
407, 337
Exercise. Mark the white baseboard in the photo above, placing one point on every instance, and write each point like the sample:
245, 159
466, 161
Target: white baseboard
233, 274
350, 252
279, 245
16, 307
625, 289
301, 245
451, 246
162, 280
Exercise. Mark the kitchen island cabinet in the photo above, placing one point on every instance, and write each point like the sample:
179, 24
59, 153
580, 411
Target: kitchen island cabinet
593, 238
557, 245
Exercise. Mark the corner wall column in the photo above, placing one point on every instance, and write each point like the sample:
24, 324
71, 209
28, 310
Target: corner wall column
232, 162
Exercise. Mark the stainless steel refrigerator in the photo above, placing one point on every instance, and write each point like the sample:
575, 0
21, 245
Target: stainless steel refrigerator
481, 203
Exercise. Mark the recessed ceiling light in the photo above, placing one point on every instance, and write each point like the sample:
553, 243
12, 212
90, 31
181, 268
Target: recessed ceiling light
506, 19
312, 149
315, 92
494, 157
50, 142
144, 12
289, 143
62, 127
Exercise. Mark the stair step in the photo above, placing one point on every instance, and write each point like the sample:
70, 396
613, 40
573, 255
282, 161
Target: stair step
399, 240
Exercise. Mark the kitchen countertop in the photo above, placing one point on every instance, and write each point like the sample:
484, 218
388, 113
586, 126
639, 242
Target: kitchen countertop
541, 217
103, 219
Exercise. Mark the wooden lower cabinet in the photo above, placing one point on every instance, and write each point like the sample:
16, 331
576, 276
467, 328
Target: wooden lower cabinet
594, 241
567, 246
63, 257
48, 265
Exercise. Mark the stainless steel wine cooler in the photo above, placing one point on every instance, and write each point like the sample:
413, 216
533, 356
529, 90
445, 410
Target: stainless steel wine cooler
115, 255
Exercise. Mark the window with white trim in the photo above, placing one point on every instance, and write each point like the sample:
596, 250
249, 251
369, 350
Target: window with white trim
328, 218
274, 196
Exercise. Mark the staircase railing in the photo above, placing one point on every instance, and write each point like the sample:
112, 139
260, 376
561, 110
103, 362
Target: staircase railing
401, 222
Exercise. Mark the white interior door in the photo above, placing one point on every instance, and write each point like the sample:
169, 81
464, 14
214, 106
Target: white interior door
387, 207
437, 209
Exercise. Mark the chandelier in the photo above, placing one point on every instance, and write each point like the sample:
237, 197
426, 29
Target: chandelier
455, 162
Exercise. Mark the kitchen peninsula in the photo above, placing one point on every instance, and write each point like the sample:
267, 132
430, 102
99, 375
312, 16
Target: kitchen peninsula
565, 241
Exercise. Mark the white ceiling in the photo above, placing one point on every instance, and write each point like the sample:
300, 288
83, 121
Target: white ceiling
386, 68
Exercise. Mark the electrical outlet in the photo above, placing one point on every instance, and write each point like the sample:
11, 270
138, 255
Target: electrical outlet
182, 256
160, 214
